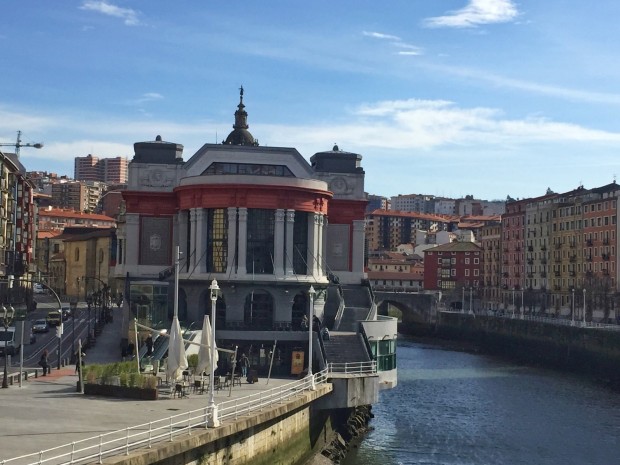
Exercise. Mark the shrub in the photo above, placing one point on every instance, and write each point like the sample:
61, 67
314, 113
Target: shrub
192, 361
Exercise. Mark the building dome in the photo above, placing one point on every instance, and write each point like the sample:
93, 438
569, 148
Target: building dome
240, 134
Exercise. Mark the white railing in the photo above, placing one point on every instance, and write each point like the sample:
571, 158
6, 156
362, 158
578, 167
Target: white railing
95, 449
563, 321
351, 368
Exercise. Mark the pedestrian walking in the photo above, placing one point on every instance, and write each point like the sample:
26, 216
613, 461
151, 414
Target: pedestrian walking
43, 363
245, 364
149, 345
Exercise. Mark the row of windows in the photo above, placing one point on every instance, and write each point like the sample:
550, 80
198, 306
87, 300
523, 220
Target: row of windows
452, 261
444, 273
249, 169
454, 253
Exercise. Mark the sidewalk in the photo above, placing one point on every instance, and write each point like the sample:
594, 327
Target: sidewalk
48, 411
107, 347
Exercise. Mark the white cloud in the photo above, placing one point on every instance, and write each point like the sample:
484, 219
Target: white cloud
145, 98
129, 16
533, 87
398, 127
380, 35
396, 42
425, 125
477, 12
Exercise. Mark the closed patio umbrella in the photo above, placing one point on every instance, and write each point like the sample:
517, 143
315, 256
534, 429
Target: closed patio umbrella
204, 353
177, 360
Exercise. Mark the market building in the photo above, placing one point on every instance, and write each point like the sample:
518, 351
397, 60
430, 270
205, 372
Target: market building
274, 230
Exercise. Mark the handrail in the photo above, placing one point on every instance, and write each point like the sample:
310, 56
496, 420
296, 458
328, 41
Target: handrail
123, 441
546, 320
365, 368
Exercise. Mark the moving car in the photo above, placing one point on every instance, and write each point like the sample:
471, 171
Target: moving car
40, 326
54, 318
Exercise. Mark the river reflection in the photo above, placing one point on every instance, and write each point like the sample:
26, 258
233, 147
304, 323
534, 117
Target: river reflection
460, 408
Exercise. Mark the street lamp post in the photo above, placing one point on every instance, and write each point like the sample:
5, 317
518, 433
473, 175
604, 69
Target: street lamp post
584, 306
89, 302
7, 315
573, 308
214, 422
73, 305
311, 293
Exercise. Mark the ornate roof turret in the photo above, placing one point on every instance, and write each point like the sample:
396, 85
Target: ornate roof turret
240, 134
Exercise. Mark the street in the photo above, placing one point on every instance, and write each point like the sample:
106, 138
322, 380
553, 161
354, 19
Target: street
74, 329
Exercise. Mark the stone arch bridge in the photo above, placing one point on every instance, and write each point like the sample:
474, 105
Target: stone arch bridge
416, 308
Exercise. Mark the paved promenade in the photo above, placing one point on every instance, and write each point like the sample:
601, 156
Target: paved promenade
47, 411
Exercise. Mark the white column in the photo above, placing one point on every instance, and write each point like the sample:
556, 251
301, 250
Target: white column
132, 243
232, 239
290, 252
357, 247
243, 241
324, 248
192, 239
278, 243
201, 229
313, 233
320, 265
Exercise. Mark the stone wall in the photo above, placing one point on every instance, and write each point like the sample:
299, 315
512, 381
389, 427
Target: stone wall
589, 351
287, 434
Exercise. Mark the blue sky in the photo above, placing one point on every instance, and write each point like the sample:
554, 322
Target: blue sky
446, 97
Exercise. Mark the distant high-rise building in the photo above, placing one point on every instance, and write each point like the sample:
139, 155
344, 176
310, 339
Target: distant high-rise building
108, 170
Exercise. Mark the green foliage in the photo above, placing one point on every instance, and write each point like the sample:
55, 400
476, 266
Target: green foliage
134, 379
192, 361
104, 374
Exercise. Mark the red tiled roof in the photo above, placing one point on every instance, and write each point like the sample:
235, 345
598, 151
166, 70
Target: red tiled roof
62, 213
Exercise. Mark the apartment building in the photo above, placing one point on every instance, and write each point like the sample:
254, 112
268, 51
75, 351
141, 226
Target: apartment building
107, 170
387, 229
449, 267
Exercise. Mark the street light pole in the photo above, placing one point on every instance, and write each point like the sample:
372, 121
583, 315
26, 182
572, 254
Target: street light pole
584, 306
311, 293
214, 422
7, 318
573, 308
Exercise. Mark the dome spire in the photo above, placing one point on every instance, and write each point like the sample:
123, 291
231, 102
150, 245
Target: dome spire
240, 134
241, 116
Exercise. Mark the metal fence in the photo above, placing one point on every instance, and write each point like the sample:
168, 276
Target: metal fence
542, 319
353, 368
96, 448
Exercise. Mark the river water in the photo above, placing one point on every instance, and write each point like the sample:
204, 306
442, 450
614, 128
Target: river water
460, 408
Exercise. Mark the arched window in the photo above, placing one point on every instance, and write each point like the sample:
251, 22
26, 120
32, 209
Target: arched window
220, 309
258, 311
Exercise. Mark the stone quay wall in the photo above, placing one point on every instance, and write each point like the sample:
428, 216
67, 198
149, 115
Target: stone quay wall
287, 434
593, 352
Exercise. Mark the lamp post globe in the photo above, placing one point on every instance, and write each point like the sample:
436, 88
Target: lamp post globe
213, 421
311, 293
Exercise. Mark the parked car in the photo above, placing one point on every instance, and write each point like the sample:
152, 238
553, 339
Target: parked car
40, 326
38, 289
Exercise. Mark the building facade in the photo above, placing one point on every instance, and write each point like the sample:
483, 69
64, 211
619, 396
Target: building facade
273, 230
107, 170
